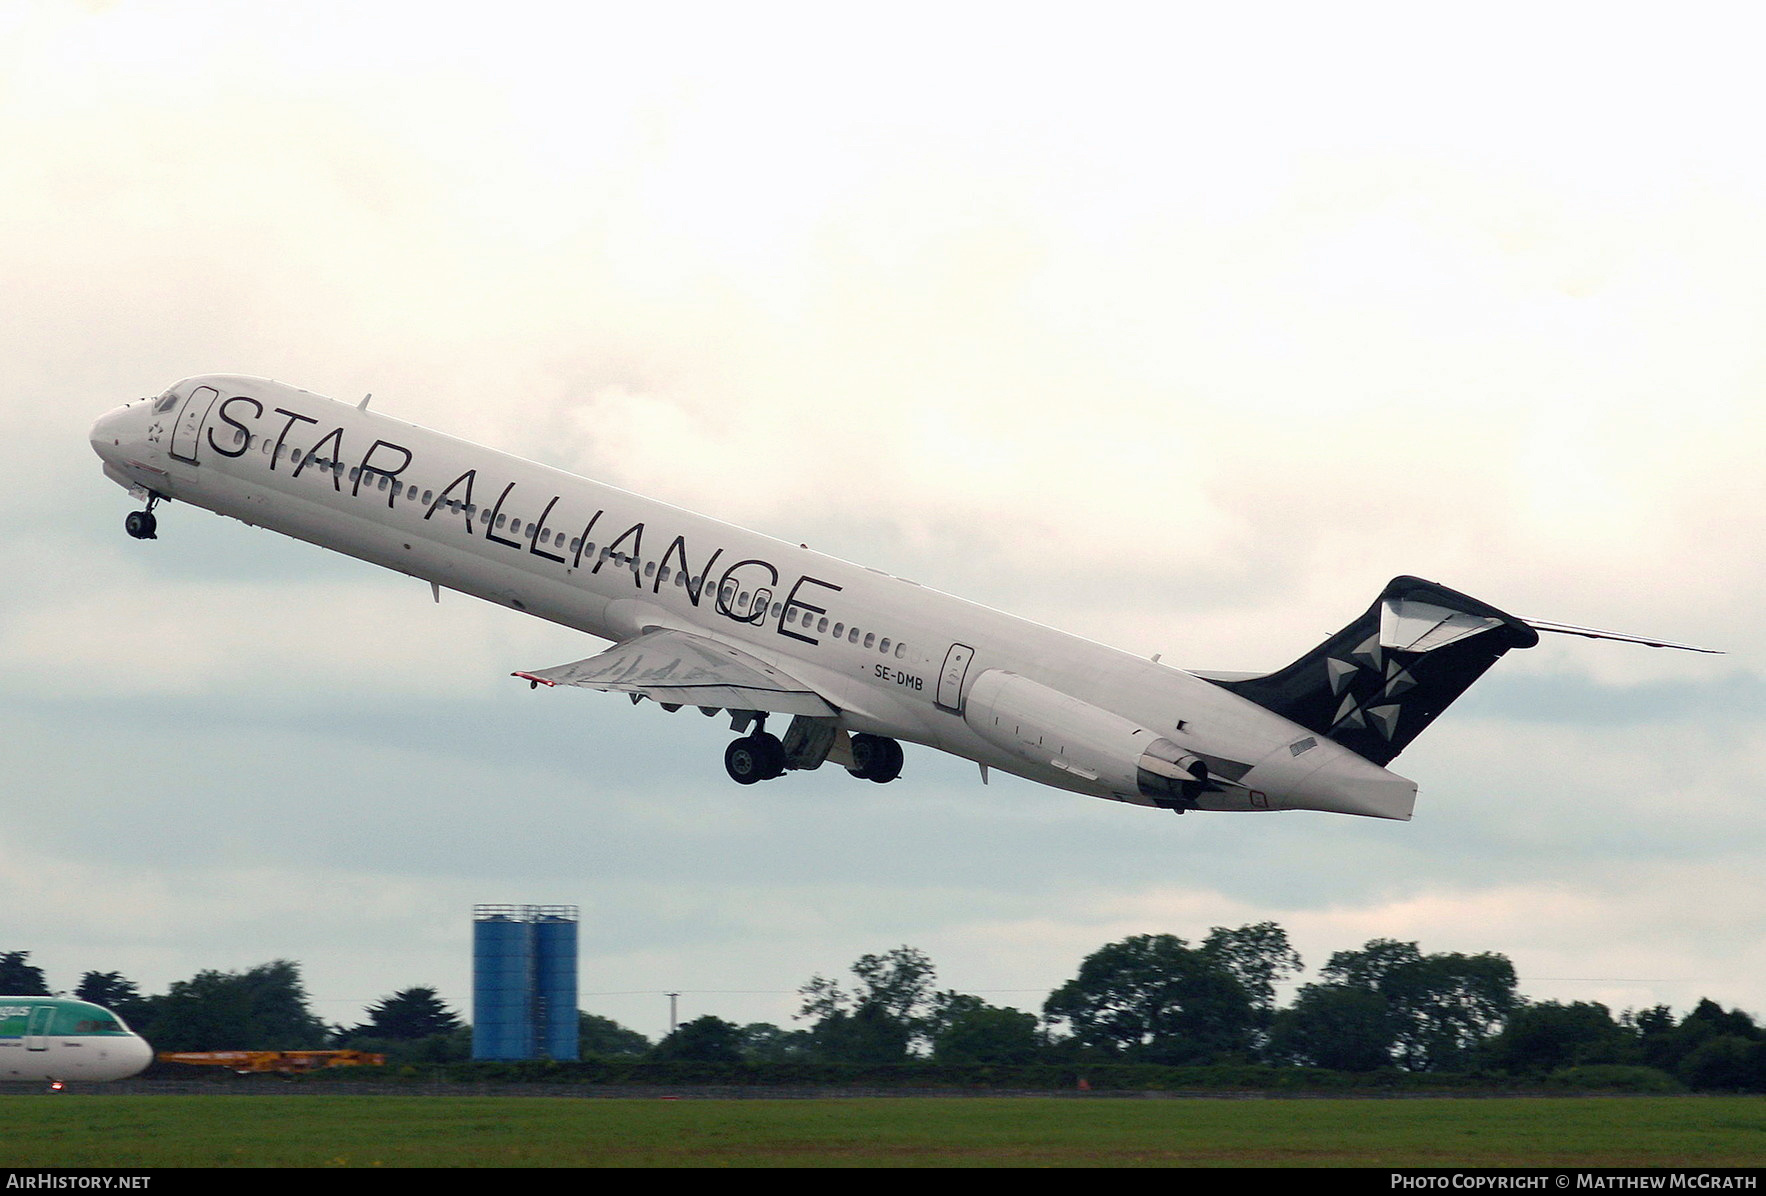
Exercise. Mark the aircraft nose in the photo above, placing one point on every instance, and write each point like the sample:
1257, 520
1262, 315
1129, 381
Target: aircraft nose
136, 1057
107, 434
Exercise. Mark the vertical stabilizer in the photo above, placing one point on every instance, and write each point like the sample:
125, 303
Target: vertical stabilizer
1378, 683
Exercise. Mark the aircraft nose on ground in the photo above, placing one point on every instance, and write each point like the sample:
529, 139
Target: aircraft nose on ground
130, 1058
140, 1056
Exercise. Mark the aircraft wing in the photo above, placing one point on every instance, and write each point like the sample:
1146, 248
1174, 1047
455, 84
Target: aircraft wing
677, 668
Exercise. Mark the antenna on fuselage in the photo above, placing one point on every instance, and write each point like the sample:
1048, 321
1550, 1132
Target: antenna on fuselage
363, 405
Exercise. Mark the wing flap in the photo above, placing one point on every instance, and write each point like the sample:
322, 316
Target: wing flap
681, 669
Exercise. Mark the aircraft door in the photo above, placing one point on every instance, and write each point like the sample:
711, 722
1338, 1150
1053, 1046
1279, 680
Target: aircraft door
950, 678
37, 1027
191, 418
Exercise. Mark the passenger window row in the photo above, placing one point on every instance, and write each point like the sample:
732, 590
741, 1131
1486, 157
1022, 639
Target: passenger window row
852, 635
734, 597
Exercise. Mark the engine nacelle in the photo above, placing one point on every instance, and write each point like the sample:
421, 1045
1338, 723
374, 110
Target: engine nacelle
1048, 727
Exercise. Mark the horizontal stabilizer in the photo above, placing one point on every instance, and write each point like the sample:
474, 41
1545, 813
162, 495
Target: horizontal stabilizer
680, 669
1591, 633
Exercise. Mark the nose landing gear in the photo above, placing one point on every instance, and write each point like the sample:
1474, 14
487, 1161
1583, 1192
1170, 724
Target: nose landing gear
142, 524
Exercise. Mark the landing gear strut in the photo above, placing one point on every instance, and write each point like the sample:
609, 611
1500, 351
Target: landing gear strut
141, 524
875, 758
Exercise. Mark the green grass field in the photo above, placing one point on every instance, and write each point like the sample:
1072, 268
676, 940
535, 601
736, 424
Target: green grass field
82, 1130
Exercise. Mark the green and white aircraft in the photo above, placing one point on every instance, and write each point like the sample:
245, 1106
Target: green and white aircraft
62, 1040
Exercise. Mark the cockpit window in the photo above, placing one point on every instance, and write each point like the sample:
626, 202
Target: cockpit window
98, 1023
165, 401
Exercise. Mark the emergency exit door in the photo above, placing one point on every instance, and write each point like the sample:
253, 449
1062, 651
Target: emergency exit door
950, 678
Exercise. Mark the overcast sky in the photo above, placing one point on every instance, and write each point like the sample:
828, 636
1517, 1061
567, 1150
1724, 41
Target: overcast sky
1183, 327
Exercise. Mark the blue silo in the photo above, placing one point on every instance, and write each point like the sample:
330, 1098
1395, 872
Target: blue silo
502, 962
555, 1017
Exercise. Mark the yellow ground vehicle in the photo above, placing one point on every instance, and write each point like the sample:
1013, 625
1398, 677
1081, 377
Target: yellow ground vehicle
285, 1063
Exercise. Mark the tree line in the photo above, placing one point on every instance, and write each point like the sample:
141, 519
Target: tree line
1152, 999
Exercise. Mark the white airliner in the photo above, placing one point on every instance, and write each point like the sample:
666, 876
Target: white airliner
62, 1040
705, 614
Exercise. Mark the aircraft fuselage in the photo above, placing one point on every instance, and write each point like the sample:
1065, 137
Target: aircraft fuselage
892, 658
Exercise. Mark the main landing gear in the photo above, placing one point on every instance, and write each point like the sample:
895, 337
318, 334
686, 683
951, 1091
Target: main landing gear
142, 524
756, 757
875, 758
760, 756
